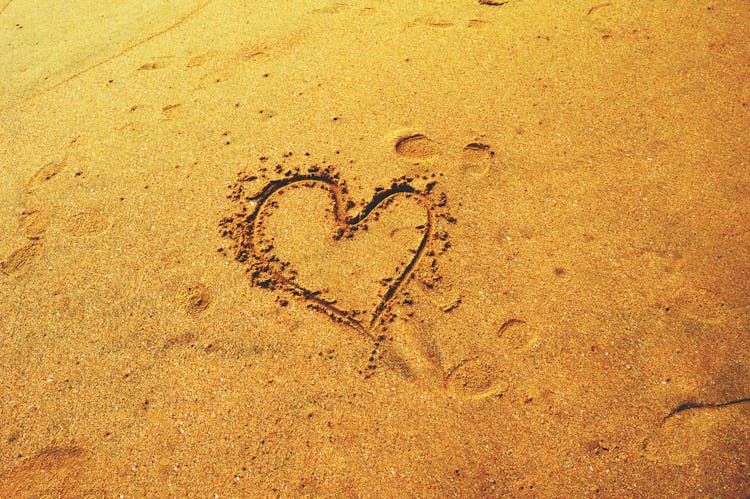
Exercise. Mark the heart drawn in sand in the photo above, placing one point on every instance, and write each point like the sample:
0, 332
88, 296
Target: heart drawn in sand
301, 235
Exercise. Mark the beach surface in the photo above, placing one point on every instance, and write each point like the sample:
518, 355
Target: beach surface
375, 248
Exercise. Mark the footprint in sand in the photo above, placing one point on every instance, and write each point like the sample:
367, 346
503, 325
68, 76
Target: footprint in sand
18, 261
477, 23
477, 159
415, 147
170, 110
34, 219
86, 224
194, 298
413, 353
157, 63
45, 174
476, 379
334, 8
171, 259
480, 378
432, 22
33, 222
198, 60
54, 471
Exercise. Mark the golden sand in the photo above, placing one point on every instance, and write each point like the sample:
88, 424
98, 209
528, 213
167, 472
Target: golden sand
374, 249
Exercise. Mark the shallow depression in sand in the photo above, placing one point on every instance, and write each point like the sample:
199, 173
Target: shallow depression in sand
415, 146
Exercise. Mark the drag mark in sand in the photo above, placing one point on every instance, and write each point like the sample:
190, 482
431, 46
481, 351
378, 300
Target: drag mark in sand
693, 429
122, 52
690, 406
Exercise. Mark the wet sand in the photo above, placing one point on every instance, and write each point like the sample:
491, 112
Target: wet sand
375, 248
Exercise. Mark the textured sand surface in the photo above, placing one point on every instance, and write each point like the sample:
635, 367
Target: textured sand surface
487, 248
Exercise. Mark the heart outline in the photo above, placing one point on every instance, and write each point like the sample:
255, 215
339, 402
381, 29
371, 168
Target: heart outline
345, 222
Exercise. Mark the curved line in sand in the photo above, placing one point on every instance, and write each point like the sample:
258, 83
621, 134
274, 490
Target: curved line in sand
341, 218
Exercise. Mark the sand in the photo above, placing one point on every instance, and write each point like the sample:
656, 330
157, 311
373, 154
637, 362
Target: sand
487, 248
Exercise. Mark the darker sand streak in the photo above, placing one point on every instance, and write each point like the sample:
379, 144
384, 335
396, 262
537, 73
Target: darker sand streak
5, 6
124, 51
599, 6
687, 406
